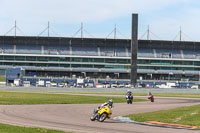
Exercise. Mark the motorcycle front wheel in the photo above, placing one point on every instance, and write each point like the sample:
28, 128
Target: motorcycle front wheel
93, 118
103, 117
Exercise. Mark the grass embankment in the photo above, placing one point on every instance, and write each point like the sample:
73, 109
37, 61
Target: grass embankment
9, 98
188, 95
4, 128
184, 115
184, 95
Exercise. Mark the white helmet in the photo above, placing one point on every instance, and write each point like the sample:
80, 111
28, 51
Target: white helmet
110, 102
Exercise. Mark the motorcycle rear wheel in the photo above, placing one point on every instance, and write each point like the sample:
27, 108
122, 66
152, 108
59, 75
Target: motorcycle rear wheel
152, 99
103, 117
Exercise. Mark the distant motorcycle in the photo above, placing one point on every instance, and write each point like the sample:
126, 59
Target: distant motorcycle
129, 99
151, 98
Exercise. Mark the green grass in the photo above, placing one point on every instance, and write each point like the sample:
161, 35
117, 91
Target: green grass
2, 79
4, 128
10, 98
192, 95
184, 95
184, 115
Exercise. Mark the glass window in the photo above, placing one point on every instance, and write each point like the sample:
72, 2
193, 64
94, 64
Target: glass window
53, 59
64, 65
98, 60
187, 63
143, 61
85, 59
21, 58
110, 60
197, 63
76, 65
123, 61
98, 66
42, 58
9, 57
114, 66
64, 59
52, 65
30, 58
176, 63
87, 66
76, 60
1, 57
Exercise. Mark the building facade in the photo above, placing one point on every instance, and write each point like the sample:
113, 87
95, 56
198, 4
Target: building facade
100, 58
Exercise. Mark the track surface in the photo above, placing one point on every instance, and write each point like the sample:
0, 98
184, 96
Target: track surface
76, 117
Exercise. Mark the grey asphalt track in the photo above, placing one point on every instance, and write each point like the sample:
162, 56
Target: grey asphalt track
76, 117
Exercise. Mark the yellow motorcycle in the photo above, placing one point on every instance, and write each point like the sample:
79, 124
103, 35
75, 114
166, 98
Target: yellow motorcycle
101, 114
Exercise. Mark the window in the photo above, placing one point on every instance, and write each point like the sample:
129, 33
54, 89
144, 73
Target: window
110, 60
9, 57
30, 58
42, 58
21, 58
98, 60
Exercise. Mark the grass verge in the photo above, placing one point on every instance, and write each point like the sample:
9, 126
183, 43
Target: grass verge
190, 95
4, 128
184, 115
10, 98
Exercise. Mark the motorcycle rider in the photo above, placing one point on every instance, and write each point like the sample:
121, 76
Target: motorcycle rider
129, 97
109, 104
129, 93
151, 97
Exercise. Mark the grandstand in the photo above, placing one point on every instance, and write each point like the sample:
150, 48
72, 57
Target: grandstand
99, 57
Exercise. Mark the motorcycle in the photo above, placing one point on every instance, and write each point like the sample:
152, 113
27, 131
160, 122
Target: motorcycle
101, 114
129, 99
151, 98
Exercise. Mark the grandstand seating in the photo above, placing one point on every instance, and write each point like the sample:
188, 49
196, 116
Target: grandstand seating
28, 49
168, 53
113, 51
7, 48
190, 54
64, 49
145, 52
95, 51
87, 51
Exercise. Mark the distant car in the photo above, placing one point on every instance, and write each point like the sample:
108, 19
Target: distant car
139, 86
195, 87
61, 84
113, 85
127, 85
53, 84
98, 85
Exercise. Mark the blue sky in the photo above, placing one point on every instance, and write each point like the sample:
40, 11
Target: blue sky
99, 17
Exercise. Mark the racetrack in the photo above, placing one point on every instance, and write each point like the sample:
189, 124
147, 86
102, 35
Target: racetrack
76, 117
